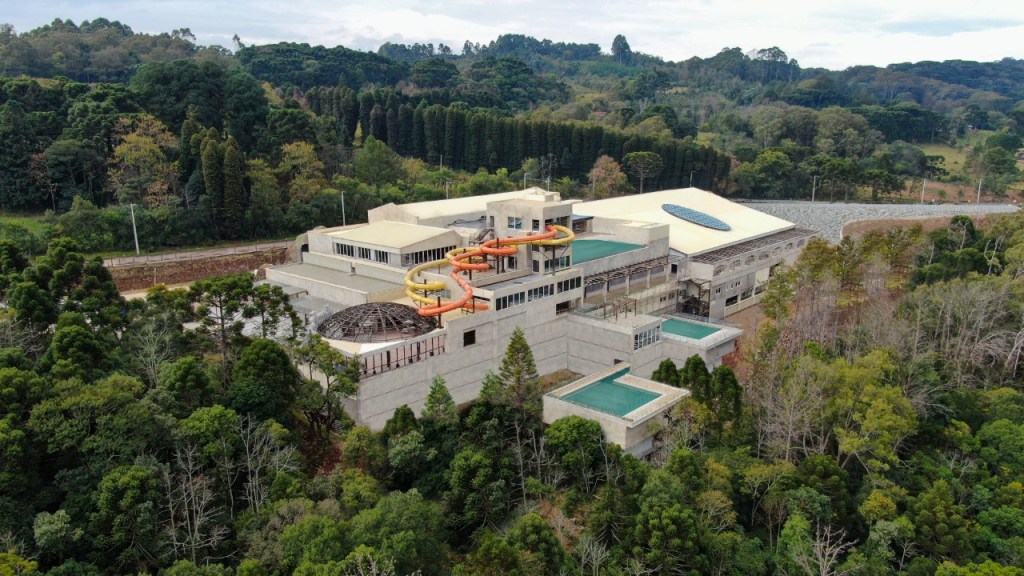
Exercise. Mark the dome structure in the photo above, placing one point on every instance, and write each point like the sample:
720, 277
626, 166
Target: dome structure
376, 322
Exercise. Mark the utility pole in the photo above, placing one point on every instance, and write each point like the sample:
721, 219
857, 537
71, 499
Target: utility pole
923, 185
814, 186
980, 180
135, 232
441, 166
691, 178
343, 207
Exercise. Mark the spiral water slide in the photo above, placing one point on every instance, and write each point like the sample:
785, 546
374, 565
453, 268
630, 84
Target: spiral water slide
464, 259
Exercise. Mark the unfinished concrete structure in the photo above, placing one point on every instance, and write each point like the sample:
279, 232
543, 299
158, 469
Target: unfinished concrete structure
631, 279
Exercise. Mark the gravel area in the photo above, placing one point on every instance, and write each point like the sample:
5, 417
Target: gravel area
829, 218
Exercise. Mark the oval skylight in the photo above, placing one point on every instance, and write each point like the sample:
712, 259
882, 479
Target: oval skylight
696, 217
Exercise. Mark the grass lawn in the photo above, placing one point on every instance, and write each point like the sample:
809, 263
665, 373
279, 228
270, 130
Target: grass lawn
955, 159
32, 223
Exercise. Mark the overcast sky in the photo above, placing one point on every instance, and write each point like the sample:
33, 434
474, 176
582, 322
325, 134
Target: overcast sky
826, 33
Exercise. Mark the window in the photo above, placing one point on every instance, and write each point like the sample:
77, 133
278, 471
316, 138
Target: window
732, 300
364, 253
490, 221
675, 268
515, 223
745, 294
511, 263
344, 249
557, 264
646, 338
469, 337
570, 284
380, 256
719, 270
563, 307
536, 225
510, 301
718, 290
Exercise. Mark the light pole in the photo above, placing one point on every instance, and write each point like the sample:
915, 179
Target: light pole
691, 178
135, 233
343, 207
814, 186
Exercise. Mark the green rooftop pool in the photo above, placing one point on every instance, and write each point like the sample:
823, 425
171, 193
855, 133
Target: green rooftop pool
688, 329
587, 250
607, 395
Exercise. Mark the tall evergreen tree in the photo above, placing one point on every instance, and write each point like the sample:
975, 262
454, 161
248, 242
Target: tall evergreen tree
213, 176
234, 191
520, 383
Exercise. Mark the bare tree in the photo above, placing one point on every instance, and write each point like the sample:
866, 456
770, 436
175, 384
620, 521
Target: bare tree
822, 557
262, 458
591, 555
152, 344
192, 510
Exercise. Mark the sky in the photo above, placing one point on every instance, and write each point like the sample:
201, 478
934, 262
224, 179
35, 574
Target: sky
833, 34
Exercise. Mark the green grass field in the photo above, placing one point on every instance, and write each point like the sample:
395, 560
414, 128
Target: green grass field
32, 223
955, 159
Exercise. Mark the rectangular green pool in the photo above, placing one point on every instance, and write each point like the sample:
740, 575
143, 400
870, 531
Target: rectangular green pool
587, 250
607, 395
688, 329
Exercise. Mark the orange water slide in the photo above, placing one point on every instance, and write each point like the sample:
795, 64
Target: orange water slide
464, 259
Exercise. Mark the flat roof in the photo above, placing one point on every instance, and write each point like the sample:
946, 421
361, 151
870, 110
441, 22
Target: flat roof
466, 205
389, 234
744, 223
336, 278
587, 249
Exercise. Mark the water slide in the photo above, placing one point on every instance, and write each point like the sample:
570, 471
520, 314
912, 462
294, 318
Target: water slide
465, 259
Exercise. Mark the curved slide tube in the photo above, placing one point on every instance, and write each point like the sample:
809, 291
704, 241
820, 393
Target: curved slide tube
463, 259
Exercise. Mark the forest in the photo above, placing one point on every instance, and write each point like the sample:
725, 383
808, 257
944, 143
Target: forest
211, 144
872, 424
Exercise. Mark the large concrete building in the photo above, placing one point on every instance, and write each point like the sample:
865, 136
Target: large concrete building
436, 288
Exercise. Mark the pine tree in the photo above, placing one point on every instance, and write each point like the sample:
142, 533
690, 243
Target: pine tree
234, 191
518, 375
440, 407
213, 176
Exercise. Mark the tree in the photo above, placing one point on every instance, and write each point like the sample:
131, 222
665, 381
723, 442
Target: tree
234, 193
439, 406
882, 182
269, 306
141, 171
407, 528
520, 384
643, 165
606, 178
376, 164
126, 521
220, 302
434, 73
621, 50
578, 446
264, 382
666, 373
537, 542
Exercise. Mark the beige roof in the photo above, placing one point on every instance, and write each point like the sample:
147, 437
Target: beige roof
687, 237
469, 204
389, 234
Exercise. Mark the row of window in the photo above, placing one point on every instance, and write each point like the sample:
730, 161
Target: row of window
553, 264
646, 338
537, 293
424, 256
363, 253
570, 284
762, 256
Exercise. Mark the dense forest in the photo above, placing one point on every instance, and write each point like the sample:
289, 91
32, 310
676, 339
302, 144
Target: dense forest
873, 423
213, 144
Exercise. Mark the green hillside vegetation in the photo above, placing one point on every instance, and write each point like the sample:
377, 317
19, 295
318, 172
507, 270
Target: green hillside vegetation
98, 112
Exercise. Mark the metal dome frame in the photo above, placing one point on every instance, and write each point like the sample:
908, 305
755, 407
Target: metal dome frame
376, 322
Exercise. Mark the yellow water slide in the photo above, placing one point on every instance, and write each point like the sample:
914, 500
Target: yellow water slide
463, 259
